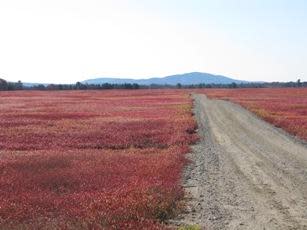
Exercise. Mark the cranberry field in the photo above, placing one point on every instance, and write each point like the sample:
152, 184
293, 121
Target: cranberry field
110, 159
284, 107
92, 159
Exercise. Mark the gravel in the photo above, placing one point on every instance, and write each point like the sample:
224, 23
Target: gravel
244, 173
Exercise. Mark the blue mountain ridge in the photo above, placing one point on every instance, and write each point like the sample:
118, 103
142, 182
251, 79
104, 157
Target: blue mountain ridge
184, 79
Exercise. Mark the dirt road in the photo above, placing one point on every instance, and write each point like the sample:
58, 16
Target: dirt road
245, 173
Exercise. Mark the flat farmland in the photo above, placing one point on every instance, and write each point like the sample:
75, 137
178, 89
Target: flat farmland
92, 159
117, 159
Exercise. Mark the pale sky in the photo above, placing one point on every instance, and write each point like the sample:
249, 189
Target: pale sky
64, 41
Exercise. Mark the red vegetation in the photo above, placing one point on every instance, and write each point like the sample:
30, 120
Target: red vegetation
284, 107
92, 159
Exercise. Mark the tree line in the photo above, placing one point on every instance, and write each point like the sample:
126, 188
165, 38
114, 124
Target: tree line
4, 85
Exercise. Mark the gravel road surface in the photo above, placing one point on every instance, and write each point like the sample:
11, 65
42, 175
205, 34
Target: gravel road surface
245, 173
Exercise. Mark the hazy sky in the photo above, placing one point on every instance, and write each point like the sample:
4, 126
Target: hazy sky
64, 41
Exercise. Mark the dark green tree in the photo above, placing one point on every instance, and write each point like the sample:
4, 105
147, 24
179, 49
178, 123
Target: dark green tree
3, 84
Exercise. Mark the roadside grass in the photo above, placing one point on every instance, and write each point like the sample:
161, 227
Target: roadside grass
190, 227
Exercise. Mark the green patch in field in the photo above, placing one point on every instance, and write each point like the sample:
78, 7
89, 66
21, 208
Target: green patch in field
190, 227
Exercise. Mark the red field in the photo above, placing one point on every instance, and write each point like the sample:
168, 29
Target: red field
285, 108
109, 159
92, 159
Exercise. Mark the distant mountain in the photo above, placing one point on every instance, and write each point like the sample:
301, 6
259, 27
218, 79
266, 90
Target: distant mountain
28, 84
184, 79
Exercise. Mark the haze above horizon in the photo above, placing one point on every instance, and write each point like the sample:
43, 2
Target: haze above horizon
64, 41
